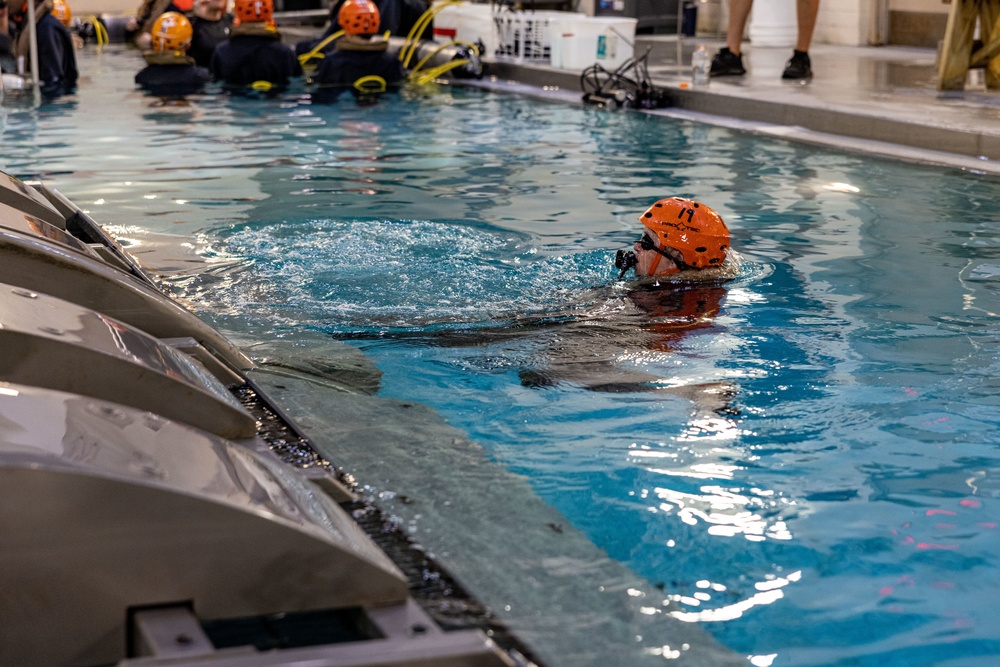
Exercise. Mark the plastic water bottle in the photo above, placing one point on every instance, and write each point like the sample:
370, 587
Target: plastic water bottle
700, 65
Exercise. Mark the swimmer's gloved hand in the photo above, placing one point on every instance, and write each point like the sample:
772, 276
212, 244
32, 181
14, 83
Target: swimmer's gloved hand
624, 260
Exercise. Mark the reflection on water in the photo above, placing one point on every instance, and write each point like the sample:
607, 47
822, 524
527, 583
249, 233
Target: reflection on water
805, 464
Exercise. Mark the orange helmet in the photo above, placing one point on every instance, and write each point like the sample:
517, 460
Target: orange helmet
254, 11
358, 17
62, 12
695, 231
171, 32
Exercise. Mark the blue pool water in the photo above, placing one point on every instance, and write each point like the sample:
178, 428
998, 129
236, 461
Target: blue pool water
804, 461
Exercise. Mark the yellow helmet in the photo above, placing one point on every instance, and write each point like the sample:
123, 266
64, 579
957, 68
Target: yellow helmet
171, 32
61, 10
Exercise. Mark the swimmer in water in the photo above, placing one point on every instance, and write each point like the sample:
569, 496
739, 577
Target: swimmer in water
681, 264
683, 241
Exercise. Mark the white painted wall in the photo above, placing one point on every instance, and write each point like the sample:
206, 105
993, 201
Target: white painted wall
843, 22
931, 6
82, 8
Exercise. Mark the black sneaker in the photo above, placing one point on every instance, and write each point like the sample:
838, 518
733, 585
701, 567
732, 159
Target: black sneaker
727, 63
798, 67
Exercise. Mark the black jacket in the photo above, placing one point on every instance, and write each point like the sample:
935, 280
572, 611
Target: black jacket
173, 80
343, 68
207, 36
57, 71
244, 59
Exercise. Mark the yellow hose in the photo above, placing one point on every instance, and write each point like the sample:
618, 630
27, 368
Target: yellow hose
371, 84
100, 32
423, 61
317, 51
406, 54
436, 72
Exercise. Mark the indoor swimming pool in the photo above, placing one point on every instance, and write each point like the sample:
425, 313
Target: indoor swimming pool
802, 463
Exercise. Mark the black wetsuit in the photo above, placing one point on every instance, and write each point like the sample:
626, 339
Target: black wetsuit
207, 36
244, 59
344, 67
173, 80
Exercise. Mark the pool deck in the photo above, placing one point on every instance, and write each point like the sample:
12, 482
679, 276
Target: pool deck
880, 100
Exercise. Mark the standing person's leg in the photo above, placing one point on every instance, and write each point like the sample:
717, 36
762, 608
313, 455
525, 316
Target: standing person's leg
800, 67
728, 61
739, 10
807, 10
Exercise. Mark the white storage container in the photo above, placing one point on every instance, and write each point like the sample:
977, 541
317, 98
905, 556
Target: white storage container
579, 42
467, 22
527, 35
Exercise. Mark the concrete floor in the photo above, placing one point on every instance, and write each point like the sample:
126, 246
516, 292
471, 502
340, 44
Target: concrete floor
875, 99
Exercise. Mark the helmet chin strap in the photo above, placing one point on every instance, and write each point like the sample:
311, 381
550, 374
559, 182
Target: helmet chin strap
647, 244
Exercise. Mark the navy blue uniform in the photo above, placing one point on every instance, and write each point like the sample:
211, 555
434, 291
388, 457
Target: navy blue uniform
244, 59
57, 71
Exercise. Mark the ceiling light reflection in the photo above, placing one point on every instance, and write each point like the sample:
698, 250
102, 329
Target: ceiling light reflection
710, 428
726, 511
841, 187
769, 591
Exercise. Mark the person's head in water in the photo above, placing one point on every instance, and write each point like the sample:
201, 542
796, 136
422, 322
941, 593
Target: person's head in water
171, 33
680, 235
359, 18
254, 11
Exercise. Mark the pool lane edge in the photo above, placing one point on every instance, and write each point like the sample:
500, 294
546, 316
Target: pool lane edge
842, 129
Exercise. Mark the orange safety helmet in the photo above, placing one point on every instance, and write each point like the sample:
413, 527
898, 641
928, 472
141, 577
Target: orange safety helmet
171, 32
358, 17
61, 10
692, 229
254, 11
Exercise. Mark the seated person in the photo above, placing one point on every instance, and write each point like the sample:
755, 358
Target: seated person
396, 16
359, 53
57, 73
170, 71
254, 55
62, 11
211, 24
684, 240
140, 26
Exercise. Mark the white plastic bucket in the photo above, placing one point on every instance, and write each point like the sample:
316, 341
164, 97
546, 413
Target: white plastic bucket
579, 42
773, 23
